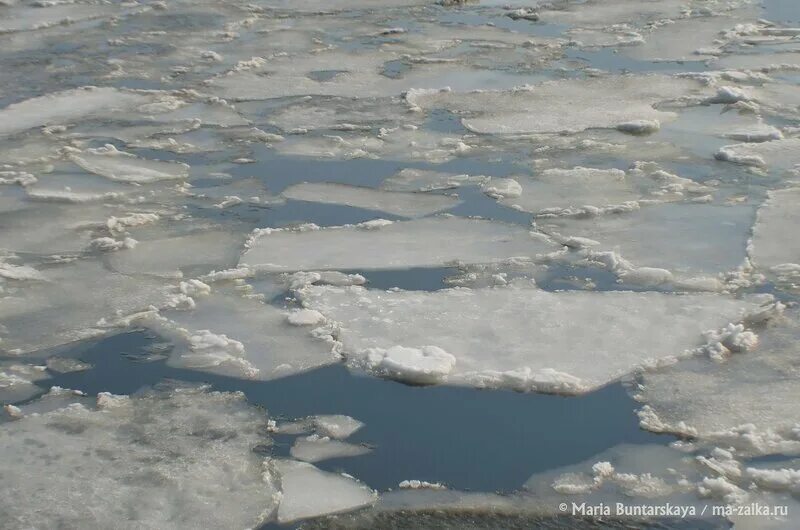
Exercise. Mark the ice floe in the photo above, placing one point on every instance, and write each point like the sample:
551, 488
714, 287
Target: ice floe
426, 242
396, 203
517, 336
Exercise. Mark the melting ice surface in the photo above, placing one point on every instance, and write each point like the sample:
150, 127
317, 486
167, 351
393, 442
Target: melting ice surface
356, 262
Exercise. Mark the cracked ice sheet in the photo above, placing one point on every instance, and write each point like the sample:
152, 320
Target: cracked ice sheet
230, 334
771, 249
396, 203
517, 337
71, 303
748, 402
380, 244
686, 239
560, 106
201, 468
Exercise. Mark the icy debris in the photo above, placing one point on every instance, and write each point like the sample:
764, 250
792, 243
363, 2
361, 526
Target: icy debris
733, 338
729, 95
550, 107
770, 249
239, 336
301, 279
634, 473
305, 317
396, 203
516, 336
201, 470
426, 365
776, 479
63, 107
316, 448
747, 403
431, 242
309, 492
420, 484
523, 13
118, 165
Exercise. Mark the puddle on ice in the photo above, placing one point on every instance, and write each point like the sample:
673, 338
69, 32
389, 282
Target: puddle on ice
363, 225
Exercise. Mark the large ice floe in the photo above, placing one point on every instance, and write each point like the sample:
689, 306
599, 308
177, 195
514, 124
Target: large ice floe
518, 336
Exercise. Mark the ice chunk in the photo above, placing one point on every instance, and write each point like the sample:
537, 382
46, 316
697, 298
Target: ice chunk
119, 165
336, 426
516, 336
428, 242
747, 402
316, 448
201, 470
551, 107
308, 492
239, 336
396, 203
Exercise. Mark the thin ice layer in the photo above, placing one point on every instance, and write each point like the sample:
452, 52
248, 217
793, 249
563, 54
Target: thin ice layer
748, 402
179, 458
560, 106
431, 242
396, 203
517, 336
316, 448
310, 492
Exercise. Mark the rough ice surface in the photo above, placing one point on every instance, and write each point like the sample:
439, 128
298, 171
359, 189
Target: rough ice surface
201, 470
545, 108
309, 492
518, 336
395, 203
747, 402
577, 192
428, 242
689, 239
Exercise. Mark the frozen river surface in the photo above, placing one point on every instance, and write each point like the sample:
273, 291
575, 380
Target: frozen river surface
400, 264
